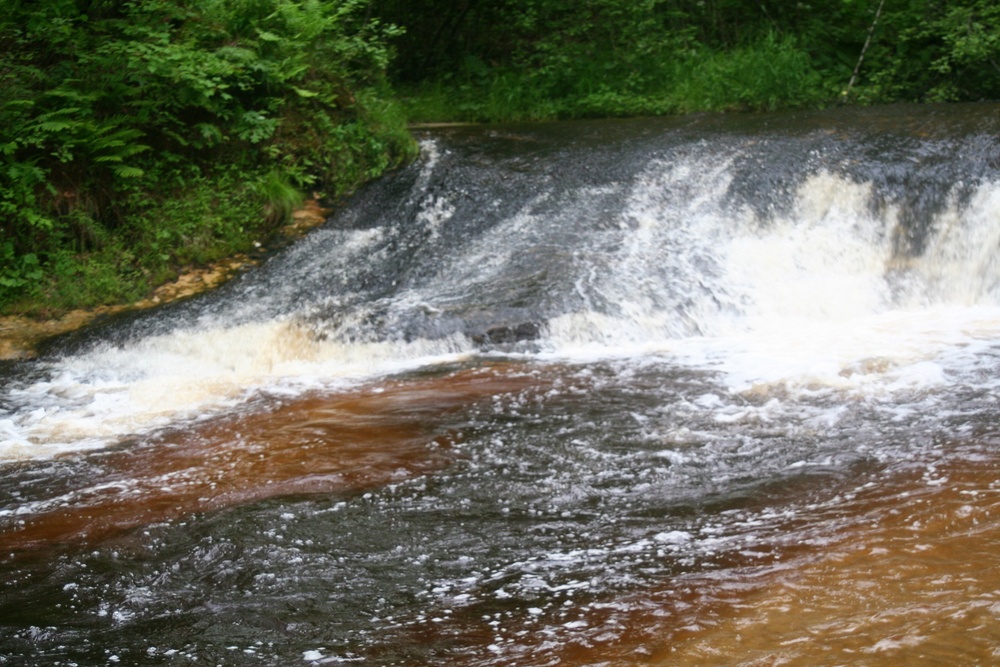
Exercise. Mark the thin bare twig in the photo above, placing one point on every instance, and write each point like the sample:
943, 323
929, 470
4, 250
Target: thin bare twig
868, 41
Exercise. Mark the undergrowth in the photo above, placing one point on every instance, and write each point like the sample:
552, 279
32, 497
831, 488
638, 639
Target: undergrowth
772, 72
142, 137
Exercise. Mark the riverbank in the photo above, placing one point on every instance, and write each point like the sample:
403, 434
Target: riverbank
21, 336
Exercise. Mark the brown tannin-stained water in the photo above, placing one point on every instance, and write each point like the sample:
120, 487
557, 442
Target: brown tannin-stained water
912, 577
325, 443
698, 391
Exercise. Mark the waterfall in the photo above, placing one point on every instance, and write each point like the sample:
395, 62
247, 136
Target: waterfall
620, 392
790, 257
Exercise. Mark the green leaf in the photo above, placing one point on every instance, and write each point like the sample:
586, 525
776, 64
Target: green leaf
125, 171
55, 125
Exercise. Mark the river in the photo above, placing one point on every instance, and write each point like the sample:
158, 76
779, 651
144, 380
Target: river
709, 390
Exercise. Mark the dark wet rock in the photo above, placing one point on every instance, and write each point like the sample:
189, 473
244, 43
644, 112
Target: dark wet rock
506, 334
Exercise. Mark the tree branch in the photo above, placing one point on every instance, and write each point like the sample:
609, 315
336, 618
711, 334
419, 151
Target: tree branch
864, 49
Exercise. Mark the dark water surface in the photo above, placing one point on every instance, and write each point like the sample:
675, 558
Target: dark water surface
709, 390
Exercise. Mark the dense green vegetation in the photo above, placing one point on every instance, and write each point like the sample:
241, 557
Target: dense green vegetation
143, 135
532, 59
140, 136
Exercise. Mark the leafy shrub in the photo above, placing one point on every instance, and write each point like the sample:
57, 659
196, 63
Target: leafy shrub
770, 73
530, 59
119, 112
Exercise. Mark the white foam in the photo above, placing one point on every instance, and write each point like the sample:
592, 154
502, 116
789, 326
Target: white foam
808, 302
961, 265
812, 299
824, 263
114, 391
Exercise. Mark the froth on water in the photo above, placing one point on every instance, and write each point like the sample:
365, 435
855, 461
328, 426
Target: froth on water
655, 392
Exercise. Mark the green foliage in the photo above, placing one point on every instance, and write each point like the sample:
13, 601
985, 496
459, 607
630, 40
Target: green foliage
280, 197
139, 135
17, 271
771, 73
568, 59
532, 59
118, 112
940, 52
